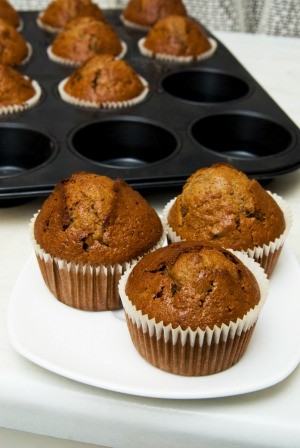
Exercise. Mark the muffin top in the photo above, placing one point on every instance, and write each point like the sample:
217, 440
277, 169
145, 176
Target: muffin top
104, 79
85, 37
9, 14
14, 87
90, 218
178, 36
220, 204
148, 12
13, 47
59, 12
187, 284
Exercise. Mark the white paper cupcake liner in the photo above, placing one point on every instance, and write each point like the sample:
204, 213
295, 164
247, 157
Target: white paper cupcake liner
266, 255
20, 26
102, 105
29, 54
133, 25
69, 62
155, 340
82, 285
14, 108
178, 59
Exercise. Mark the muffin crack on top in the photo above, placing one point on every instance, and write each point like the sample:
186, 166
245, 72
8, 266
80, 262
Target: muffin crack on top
189, 284
221, 204
94, 219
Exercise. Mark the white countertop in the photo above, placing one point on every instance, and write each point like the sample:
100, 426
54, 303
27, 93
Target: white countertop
37, 401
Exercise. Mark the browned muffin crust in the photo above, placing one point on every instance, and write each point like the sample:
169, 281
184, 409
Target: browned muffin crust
93, 219
13, 47
85, 37
103, 79
148, 12
178, 36
14, 87
220, 204
9, 14
189, 285
59, 12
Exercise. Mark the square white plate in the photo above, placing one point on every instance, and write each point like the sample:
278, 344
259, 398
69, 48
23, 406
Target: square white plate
95, 347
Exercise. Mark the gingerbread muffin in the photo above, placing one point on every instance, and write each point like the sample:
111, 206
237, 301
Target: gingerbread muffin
222, 206
143, 14
14, 50
177, 38
88, 231
59, 12
83, 38
9, 14
191, 309
103, 81
17, 92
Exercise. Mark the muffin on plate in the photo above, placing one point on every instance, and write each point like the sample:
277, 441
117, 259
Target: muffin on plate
179, 39
9, 14
59, 12
103, 82
14, 50
143, 14
191, 309
17, 92
83, 38
222, 206
88, 231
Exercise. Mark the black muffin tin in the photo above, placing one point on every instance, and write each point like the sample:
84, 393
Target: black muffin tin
195, 115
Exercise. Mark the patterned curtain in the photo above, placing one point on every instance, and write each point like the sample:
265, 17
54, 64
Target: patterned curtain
279, 17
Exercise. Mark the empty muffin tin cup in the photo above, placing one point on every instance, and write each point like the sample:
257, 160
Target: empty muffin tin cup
23, 149
241, 135
123, 142
205, 86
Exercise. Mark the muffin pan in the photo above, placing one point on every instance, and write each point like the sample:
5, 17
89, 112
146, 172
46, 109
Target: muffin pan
194, 115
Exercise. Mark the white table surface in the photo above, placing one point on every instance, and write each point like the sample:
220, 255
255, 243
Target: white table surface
44, 404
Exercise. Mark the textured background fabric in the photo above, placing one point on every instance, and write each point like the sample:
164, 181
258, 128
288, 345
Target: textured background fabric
280, 17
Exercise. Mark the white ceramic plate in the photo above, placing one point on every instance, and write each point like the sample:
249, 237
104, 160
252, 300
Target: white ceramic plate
95, 348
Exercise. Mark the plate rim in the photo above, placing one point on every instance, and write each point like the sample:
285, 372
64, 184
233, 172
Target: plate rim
154, 392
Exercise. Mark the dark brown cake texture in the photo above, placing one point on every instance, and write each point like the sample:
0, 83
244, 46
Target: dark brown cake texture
9, 13
15, 89
103, 79
93, 219
190, 285
146, 13
59, 12
177, 35
13, 46
221, 205
85, 37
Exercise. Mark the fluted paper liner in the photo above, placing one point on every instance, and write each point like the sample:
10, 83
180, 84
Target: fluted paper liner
20, 26
134, 25
14, 108
29, 54
267, 255
72, 63
105, 104
178, 59
193, 352
81, 285
44, 26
